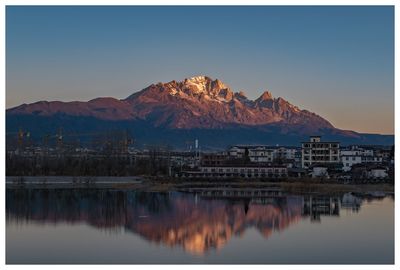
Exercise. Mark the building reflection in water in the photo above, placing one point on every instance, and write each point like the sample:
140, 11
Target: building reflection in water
318, 206
196, 222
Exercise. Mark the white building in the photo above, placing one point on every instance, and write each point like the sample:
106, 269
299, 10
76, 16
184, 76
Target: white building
349, 160
237, 151
262, 153
242, 171
355, 150
378, 172
285, 153
316, 151
357, 155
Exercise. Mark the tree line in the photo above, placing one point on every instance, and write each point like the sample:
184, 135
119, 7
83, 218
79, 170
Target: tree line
101, 165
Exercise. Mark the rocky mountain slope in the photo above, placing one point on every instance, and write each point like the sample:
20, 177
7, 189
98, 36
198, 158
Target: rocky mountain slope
194, 106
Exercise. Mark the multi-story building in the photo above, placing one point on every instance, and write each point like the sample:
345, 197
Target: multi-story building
224, 165
213, 159
263, 153
255, 153
243, 171
288, 153
355, 150
297, 158
316, 151
356, 155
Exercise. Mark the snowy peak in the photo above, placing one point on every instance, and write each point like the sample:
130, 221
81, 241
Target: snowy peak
176, 110
200, 87
211, 102
196, 102
204, 84
197, 85
198, 79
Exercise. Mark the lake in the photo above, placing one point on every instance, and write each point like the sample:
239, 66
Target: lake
111, 226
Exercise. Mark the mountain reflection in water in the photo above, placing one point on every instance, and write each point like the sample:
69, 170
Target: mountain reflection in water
196, 223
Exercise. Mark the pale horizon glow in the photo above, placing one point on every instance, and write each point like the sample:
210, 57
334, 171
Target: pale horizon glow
335, 61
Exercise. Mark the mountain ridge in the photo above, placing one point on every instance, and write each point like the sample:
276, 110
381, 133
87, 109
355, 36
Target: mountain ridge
198, 97
196, 103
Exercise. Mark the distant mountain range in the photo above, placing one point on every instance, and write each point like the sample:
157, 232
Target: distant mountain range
176, 112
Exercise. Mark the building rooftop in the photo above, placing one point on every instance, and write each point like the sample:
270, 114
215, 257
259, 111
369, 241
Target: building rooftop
264, 146
257, 165
320, 142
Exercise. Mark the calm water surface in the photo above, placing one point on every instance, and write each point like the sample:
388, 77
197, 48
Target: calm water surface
123, 226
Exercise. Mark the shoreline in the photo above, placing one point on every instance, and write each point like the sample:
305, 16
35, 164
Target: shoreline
167, 185
289, 187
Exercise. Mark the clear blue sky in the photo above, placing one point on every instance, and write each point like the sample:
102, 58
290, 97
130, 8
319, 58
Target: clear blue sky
335, 61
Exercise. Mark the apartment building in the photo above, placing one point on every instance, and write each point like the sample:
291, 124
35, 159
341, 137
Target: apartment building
316, 151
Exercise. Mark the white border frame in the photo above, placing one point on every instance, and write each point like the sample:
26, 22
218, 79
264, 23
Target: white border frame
186, 3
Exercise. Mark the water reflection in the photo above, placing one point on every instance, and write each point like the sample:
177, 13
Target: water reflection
195, 222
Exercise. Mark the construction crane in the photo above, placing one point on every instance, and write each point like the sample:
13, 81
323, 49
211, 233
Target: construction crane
22, 136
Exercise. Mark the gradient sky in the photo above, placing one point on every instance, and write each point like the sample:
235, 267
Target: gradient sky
335, 61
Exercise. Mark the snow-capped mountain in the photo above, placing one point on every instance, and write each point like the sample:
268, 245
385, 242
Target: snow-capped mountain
198, 103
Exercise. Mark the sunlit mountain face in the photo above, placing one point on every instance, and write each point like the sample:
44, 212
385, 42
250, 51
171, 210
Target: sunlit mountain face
197, 224
198, 107
197, 102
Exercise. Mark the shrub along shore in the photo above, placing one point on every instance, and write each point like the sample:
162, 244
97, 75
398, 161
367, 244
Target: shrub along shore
306, 185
